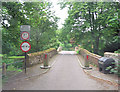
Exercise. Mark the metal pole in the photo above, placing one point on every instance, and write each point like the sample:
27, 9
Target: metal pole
25, 61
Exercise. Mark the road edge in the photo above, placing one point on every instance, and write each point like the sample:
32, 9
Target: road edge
96, 78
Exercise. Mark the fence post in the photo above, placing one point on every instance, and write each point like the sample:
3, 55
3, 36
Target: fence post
4, 69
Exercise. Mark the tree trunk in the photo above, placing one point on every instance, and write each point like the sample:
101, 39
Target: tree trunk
96, 45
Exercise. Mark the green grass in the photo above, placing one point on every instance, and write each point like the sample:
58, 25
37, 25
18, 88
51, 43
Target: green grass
1, 55
14, 57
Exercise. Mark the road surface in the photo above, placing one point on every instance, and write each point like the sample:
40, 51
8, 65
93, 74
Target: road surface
66, 74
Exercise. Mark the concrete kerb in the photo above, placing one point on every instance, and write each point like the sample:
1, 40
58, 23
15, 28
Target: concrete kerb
96, 78
42, 72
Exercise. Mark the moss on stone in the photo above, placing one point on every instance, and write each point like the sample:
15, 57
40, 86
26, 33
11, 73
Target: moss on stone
41, 52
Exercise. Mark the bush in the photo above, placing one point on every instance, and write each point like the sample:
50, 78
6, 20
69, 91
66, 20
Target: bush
78, 52
115, 70
118, 51
13, 67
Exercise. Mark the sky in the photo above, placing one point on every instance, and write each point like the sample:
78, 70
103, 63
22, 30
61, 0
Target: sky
62, 14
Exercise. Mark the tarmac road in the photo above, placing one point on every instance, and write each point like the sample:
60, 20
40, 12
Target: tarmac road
66, 74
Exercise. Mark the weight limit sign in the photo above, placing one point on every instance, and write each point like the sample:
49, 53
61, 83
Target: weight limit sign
25, 46
25, 35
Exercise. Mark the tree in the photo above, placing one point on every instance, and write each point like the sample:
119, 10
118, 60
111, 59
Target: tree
12, 17
38, 15
92, 24
43, 23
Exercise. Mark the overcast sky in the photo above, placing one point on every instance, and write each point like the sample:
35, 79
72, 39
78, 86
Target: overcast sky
62, 14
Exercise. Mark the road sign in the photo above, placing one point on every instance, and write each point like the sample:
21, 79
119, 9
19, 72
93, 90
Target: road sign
25, 46
25, 32
25, 35
25, 28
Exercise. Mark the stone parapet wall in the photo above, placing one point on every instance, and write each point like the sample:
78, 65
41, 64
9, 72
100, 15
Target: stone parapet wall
59, 48
92, 58
38, 57
115, 56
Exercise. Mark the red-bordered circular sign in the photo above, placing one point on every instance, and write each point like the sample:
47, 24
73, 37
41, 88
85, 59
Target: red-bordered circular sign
25, 35
25, 46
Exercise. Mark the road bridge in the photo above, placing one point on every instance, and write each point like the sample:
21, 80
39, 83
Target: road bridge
65, 74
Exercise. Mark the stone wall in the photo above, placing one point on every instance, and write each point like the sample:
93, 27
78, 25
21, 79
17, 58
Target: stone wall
92, 58
115, 56
59, 49
38, 57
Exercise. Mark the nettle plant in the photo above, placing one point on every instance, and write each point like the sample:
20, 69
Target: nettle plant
115, 70
78, 51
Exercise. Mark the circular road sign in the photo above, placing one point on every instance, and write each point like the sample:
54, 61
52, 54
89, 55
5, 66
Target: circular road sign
25, 35
25, 46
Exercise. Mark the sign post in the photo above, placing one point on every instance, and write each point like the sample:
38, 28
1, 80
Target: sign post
25, 61
25, 47
25, 35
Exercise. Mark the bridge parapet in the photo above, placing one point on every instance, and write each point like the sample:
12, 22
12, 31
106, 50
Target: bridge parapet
38, 57
92, 58
59, 49
115, 56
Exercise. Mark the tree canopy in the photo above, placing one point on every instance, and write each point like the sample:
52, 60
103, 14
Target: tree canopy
38, 15
94, 25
